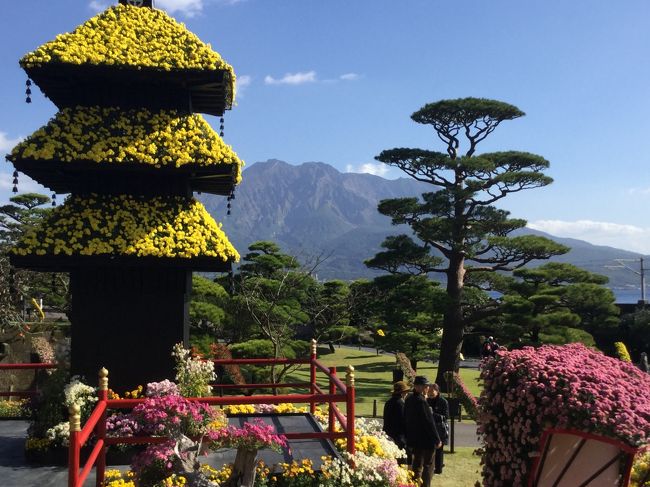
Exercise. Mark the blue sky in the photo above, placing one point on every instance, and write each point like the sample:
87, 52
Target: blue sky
336, 81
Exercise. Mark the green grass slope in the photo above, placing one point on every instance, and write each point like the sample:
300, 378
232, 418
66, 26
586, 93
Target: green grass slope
373, 375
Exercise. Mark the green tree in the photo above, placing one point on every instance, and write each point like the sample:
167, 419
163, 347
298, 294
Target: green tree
408, 311
539, 301
329, 306
635, 328
19, 286
209, 298
264, 259
262, 348
459, 222
269, 291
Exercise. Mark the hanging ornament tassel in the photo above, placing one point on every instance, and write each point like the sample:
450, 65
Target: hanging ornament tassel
15, 190
28, 91
54, 283
228, 206
221, 126
53, 199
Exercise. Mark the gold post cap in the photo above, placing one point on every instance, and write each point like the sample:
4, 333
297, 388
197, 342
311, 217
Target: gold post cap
349, 376
75, 417
103, 379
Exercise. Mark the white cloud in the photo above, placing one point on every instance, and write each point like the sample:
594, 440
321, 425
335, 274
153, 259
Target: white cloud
628, 237
376, 168
25, 185
349, 77
6, 144
243, 82
639, 191
97, 6
189, 8
292, 79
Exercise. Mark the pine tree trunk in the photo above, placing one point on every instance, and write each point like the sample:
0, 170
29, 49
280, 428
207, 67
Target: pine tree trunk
244, 469
453, 323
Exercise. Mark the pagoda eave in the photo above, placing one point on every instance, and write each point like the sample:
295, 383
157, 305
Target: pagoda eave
67, 263
186, 90
89, 176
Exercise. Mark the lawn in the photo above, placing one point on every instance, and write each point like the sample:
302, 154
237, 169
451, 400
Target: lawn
462, 469
373, 375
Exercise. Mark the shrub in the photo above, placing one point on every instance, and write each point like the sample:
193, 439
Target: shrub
48, 406
621, 352
404, 364
193, 374
466, 398
44, 350
14, 409
571, 386
641, 470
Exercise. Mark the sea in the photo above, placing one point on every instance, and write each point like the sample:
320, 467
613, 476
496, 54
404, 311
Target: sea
626, 296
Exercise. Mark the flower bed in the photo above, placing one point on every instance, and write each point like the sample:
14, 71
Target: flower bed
112, 135
374, 465
125, 225
571, 386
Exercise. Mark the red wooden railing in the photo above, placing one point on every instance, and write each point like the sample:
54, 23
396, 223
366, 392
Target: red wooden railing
36, 366
337, 392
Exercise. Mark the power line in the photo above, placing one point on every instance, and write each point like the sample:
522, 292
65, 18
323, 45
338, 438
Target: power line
640, 272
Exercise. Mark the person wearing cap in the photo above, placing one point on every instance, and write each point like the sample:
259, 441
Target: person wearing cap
394, 414
421, 433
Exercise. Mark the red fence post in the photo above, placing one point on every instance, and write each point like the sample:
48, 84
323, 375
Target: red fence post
312, 375
100, 431
349, 379
330, 409
73, 450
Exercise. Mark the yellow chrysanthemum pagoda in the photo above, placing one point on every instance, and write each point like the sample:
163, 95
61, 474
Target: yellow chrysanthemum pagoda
129, 147
130, 54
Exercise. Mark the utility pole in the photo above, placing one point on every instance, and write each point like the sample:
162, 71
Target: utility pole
640, 273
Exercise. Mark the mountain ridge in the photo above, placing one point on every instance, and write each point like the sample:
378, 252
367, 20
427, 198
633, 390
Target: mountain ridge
312, 209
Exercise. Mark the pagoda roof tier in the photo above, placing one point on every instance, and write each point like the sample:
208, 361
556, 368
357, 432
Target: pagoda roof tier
126, 230
86, 176
100, 142
58, 263
132, 56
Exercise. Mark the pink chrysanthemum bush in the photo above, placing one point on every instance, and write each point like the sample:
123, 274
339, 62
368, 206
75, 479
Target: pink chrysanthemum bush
527, 391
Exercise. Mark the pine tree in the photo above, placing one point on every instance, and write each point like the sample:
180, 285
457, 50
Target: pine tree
458, 230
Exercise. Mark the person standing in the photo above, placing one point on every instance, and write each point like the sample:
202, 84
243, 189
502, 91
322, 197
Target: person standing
489, 348
440, 409
643, 362
394, 415
421, 433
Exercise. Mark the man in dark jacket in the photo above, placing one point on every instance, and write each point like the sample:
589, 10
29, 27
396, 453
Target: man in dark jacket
421, 434
440, 408
394, 414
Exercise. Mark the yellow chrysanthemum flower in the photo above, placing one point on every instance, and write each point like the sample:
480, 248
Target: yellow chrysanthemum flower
124, 225
111, 135
131, 36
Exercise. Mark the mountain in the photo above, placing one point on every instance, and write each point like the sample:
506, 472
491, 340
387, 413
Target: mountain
314, 210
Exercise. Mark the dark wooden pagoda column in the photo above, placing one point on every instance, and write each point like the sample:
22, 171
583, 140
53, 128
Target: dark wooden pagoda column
127, 320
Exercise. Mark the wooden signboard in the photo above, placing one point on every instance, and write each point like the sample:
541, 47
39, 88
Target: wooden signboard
577, 459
